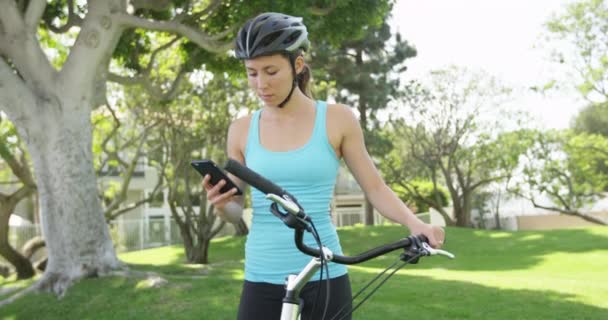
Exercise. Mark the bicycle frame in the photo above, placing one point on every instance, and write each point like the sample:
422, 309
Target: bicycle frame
295, 283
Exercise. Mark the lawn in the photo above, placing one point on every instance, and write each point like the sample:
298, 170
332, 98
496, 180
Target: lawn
558, 274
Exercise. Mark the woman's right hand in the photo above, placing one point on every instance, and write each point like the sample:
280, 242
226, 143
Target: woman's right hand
214, 195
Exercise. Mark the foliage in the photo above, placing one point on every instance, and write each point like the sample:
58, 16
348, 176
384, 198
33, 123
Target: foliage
122, 138
563, 166
16, 185
194, 126
584, 27
423, 193
448, 137
366, 74
592, 119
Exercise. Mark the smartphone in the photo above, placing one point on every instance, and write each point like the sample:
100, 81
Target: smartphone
205, 167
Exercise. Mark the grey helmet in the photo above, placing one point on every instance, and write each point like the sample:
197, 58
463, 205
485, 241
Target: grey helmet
270, 33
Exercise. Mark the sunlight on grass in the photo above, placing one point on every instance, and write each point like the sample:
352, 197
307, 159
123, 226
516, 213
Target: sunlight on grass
157, 256
500, 235
11, 285
532, 237
557, 274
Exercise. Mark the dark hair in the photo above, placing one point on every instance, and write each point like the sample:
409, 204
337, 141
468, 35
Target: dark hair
304, 77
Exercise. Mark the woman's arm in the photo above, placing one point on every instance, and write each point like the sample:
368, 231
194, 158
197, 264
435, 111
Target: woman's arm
228, 206
352, 148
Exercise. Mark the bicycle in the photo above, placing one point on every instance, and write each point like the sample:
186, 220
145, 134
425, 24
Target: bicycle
295, 217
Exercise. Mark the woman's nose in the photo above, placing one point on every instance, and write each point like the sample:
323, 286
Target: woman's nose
262, 81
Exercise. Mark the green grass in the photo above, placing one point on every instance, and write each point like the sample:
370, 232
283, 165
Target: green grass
559, 274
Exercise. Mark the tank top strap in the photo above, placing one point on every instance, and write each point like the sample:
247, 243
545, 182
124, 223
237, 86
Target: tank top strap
319, 133
254, 132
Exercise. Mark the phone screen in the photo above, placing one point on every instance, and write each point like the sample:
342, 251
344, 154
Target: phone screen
205, 167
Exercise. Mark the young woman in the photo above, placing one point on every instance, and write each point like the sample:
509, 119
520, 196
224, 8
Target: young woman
297, 143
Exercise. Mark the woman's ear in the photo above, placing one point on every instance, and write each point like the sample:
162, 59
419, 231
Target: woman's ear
299, 64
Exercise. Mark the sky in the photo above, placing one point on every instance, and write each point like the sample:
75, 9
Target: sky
499, 37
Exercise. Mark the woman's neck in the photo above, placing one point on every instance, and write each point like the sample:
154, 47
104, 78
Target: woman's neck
297, 104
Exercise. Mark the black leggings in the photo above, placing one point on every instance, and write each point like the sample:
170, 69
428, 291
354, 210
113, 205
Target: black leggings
263, 301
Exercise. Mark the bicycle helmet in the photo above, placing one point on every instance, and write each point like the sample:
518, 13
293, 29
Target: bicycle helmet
270, 33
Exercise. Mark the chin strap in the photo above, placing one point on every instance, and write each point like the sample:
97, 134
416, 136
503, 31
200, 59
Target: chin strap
294, 83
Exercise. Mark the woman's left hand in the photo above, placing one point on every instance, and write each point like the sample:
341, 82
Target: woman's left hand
435, 234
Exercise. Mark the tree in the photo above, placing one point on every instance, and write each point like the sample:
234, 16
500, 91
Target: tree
119, 148
592, 119
448, 138
190, 132
15, 158
584, 27
366, 74
50, 100
563, 166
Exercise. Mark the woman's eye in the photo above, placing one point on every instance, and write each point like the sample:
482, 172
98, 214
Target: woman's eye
252, 74
272, 73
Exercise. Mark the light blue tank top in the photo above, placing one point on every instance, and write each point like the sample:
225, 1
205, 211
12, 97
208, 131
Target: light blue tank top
309, 173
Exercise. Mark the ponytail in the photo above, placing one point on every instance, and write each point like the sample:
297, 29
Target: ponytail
303, 79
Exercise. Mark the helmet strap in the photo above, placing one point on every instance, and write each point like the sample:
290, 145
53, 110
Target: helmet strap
294, 83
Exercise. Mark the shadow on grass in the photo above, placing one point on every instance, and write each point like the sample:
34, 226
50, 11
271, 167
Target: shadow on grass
478, 250
216, 297
422, 298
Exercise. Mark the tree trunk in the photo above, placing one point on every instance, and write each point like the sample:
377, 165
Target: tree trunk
200, 253
22, 264
462, 210
24, 267
77, 237
195, 252
369, 213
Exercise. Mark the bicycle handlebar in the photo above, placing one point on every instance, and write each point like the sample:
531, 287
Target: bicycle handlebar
253, 178
365, 256
257, 181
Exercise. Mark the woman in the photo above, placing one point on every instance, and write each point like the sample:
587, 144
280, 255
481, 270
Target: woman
297, 143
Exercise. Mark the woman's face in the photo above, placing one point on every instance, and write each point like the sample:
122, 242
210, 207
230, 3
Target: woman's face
270, 77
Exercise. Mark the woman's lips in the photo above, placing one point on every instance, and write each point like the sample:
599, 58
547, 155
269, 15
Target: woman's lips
266, 97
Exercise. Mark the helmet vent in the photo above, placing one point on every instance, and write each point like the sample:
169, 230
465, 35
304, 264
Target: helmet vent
270, 39
292, 37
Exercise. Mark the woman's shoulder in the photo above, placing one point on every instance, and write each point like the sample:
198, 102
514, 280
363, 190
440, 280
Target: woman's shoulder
337, 113
241, 124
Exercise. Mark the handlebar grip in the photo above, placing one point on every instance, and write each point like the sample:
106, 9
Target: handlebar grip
253, 178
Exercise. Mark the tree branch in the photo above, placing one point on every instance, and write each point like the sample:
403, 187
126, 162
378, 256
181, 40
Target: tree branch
122, 195
111, 216
318, 11
73, 20
197, 36
90, 55
586, 217
23, 50
20, 170
15, 98
155, 91
156, 5
34, 12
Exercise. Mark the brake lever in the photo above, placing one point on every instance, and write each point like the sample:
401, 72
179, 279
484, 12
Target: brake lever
295, 217
288, 205
430, 251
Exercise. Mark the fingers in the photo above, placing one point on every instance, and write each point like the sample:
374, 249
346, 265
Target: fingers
214, 194
438, 237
